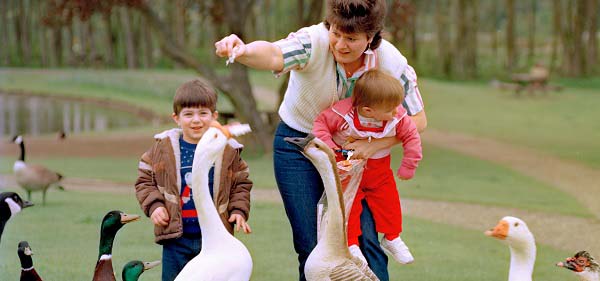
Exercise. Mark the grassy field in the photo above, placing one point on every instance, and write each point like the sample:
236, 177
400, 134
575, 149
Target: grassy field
64, 237
64, 234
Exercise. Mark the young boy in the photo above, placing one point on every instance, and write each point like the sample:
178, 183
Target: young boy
375, 111
164, 181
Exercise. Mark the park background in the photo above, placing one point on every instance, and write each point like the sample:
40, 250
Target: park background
488, 150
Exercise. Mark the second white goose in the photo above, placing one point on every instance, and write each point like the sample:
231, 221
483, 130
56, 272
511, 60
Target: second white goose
330, 259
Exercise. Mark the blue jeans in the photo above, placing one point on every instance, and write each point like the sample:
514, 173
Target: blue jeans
177, 253
301, 187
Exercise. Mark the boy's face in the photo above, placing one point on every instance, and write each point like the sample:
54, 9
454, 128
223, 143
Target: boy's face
380, 112
194, 121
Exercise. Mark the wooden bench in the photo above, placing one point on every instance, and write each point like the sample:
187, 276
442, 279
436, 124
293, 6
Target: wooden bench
535, 80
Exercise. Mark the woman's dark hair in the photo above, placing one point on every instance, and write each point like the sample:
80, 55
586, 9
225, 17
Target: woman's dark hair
351, 16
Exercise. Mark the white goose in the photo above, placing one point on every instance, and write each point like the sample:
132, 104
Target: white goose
222, 257
583, 265
521, 243
330, 259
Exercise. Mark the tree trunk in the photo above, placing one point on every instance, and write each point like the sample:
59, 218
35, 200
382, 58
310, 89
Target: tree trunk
531, 26
412, 32
22, 31
461, 40
128, 38
179, 21
5, 37
592, 30
472, 50
495, 30
443, 36
510, 35
109, 41
556, 33
146, 46
579, 47
236, 86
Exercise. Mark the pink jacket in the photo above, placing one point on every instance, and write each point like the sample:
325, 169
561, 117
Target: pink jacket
337, 124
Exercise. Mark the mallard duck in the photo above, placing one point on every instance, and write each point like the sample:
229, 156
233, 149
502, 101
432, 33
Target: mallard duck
133, 269
522, 247
32, 177
583, 265
112, 222
330, 259
10, 205
28, 273
222, 257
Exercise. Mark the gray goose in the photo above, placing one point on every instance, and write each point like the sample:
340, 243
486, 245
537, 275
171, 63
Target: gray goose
33, 177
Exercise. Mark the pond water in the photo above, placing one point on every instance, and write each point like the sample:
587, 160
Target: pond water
36, 115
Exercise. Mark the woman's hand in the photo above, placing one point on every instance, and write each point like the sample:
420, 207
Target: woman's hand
363, 149
240, 222
160, 217
229, 46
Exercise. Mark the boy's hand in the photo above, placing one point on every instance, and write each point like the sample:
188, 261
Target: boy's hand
160, 217
240, 222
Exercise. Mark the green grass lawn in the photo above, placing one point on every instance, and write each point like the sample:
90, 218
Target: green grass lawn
563, 124
449, 176
64, 237
442, 175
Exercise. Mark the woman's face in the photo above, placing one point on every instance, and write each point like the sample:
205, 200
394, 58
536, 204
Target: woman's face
347, 47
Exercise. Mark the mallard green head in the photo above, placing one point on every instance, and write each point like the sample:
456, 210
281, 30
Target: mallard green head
112, 222
133, 269
25, 253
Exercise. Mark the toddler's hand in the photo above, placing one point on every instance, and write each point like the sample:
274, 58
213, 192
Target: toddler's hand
160, 217
240, 222
405, 174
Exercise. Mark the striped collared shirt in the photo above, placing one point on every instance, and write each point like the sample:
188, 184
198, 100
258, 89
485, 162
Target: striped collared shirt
296, 49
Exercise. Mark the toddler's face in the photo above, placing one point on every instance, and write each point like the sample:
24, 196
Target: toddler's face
194, 121
384, 112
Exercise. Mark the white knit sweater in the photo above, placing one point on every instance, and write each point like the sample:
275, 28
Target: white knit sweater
313, 89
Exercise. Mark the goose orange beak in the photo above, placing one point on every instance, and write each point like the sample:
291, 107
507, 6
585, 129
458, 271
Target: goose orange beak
500, 231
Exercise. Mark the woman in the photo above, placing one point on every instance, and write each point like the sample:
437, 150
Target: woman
324, 61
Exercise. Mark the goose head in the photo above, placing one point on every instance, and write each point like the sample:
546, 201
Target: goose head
111, 223
133, 269
11, 204
17, 139
216, 137
582, 263
513, 231
313, 148
25, 253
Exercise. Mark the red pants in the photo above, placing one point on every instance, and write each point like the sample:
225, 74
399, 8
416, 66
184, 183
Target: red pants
379, 188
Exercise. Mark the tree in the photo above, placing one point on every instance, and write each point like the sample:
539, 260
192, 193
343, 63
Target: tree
510, 35
235, 85
443, 36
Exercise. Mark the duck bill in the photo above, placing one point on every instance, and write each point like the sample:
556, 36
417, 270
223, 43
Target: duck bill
568, 265
27, 204
127, 218
500, 231
151, 264
300, 142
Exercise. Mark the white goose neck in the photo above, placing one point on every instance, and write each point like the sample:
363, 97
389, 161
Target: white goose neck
522, 261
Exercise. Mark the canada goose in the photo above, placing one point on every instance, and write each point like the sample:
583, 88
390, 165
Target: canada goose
10, 205
133, 269
32, 177
521, 243
222, 257
583, 265
28, 273
330, 259
112, 222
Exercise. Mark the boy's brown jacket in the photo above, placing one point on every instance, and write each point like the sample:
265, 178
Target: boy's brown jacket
159, 182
